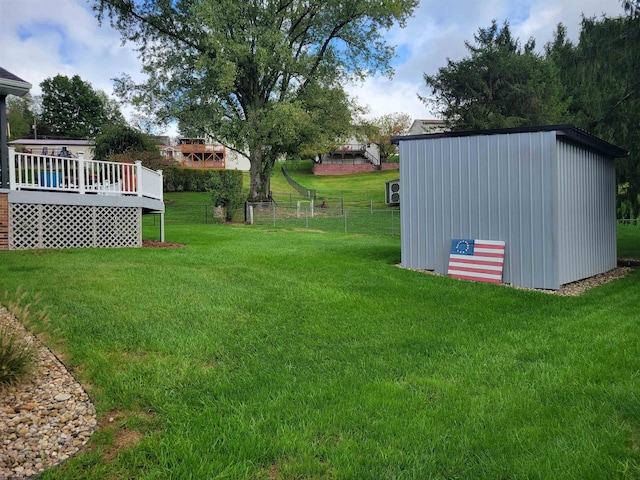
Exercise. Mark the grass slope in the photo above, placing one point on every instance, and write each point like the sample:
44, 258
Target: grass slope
262, 354
355, 188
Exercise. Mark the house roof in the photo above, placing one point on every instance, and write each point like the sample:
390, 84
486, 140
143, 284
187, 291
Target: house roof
47, 142
566, 132
11, 84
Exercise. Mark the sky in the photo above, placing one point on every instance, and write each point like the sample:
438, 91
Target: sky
43, 38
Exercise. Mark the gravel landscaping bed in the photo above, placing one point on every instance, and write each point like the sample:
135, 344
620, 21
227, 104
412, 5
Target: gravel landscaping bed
46, 418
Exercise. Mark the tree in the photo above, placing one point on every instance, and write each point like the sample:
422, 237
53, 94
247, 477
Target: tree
499, 85
72, 108
121, 139
380, 130
602, 88
111, 108
248, 73
20, 116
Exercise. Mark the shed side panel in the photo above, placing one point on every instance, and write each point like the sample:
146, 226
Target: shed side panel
493, 187
587, 213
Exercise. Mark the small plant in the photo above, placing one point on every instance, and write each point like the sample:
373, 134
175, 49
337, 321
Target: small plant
35, 319
16, 355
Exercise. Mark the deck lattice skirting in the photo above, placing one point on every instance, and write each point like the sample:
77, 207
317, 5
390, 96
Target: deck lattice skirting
72, 226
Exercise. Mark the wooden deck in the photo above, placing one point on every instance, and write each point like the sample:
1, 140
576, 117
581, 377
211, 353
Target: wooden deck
81, 198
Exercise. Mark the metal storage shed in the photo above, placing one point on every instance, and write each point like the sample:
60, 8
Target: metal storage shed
549, 192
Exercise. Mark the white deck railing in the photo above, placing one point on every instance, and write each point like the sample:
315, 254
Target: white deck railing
28, 171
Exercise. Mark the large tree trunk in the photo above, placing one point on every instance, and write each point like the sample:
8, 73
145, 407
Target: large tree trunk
260, 176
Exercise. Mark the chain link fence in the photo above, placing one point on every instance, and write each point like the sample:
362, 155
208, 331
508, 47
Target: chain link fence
305, 214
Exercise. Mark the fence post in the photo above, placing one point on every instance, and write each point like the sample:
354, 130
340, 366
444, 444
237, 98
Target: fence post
392, 230
345, 220
250, 214
273, 205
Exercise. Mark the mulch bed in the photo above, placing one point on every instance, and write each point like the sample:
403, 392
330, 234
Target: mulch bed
157, 244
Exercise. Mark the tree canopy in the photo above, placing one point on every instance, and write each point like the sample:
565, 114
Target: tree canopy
593, 84
499, 84
121, 139
71, 108
20, 116
253, 74
601, 85
380, 130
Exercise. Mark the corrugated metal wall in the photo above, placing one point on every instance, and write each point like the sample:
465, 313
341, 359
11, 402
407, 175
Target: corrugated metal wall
586, 213
491, 187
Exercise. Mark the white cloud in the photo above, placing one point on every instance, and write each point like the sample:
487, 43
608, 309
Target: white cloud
438, 30
43, 38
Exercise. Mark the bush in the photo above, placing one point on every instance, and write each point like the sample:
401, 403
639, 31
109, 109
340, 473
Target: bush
17, 356
226, 191
151, 160
121, 139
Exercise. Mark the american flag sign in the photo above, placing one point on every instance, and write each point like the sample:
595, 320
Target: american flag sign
479, 260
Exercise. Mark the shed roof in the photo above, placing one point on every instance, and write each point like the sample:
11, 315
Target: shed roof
567, 132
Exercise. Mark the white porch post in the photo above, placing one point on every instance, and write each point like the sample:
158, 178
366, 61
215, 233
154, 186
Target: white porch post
81, 175
12, 168
162, 214
138, 176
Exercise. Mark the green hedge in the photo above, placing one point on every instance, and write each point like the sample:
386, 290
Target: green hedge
225, 186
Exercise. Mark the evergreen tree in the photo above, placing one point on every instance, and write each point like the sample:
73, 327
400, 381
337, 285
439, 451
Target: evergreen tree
500, 84
602, 88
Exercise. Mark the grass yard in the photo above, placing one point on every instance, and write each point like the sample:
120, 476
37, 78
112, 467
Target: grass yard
362, 188
256, 353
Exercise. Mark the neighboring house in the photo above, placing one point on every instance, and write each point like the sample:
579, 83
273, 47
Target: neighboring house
353, 156
171, 151
55, 147
205, 153
419, 127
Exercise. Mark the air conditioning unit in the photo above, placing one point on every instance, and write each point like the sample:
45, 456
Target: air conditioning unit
392, 192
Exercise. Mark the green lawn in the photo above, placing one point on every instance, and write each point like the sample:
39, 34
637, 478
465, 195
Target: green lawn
261, 353
357, 189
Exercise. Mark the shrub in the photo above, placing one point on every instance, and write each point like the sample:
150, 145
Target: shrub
17, 356
151, 160
121, 139
226, 191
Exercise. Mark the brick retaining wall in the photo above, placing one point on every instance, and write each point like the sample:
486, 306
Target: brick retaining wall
4, 221
337, 169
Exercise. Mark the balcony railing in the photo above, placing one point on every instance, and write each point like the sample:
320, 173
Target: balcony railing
28, 171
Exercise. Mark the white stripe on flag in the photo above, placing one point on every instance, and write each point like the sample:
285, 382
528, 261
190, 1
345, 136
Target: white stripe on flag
497, 268
477, 258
